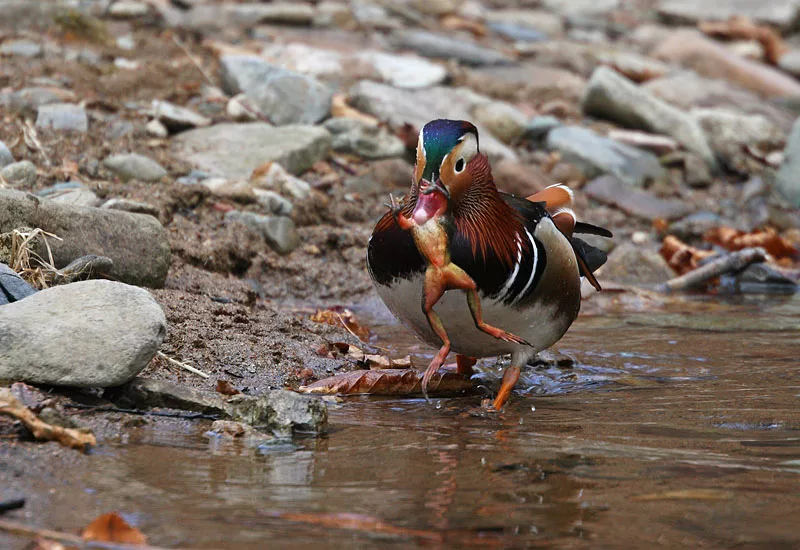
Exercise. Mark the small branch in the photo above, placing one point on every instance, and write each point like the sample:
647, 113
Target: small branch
12, 504
193, 60
23, 530
76, 439
184, 366
735, 261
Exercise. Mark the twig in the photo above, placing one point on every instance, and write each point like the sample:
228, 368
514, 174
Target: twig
193, 60
76, 439
12, 504
23, 530
140, 412
32, 139
734, 261
184, 366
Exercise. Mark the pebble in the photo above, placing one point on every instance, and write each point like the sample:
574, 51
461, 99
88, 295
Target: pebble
781, 13
526, 83
20, 174
283, 96
713, 60
30, 99
503, 120
331, 14
276, 13
596, 155
583, 8
659, 145
539, 126
273, 203
404, 71
21, 48
636, 202
440, 46
276, 177
611, 96
176, 118
85, 334
128, 205
790, 62
696, 225
235, 150
13, 287
6, 157
367, 141
74, 196
279, 231
156, 129
241, 109
729, 132
136, 244
134, 166
416, 107
120, 129
788, 179
62, 116
517, 32
128, 9
546, 23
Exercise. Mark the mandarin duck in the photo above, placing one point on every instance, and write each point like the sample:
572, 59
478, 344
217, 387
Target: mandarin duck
516, 260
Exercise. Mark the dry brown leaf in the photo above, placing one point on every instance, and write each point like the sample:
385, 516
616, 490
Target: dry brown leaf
457, 23
226, 388
686, 494
112, 528
768, 239
389, 382
363, 359
742, 28
680, 256
340, 108
339, 316
76, 439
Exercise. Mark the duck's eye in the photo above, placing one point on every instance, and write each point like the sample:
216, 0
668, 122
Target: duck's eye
460, 165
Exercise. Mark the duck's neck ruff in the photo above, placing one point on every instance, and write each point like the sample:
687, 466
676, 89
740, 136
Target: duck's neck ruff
492, 227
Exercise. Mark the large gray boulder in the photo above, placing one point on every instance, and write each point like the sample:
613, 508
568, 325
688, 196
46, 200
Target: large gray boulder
136, 243
86, 334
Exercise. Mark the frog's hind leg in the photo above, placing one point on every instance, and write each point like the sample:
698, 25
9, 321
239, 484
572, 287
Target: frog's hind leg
433, 290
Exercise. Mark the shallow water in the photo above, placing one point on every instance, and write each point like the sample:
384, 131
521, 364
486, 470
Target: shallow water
675, 428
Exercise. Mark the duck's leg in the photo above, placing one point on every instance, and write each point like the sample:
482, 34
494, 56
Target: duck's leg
433, 290
510, 378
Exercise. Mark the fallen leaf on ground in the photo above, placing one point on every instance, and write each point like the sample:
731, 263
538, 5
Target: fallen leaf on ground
363, 359
389, 382
338, 316
226, 388
686, 494
112, 528
458, 23
681, 257
742, 28
340, 108
76, 439
768, 239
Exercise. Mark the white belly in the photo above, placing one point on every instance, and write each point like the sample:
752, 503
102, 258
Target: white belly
537, 324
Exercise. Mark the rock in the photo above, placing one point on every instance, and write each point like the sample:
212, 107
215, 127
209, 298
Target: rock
405, 71
436, 8
611, 96
417, 107
235, 150
504, 121
781, 13
546, 23
695, 171
156, 129
370, 15
518, 179
695, 225
333, 14
20, 174
86, 267
527, 82
137, 244
308, 60
279, 231
709, 58
30, 99
176, 118
6, 157
596, 155
370, 142
381, 177
688, 90
133, 166
539, 126
729, 132
659, 145
13, 287
282, 411
790, 62
87, 334
440, 46
277, 13
21, 48
788, 179
585, 8
273, 203
285, 97
632, 264
241, 109
72, 195
763, 274
134, 207
128, 9
235, 190
610, 190
62, 116
276, 177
